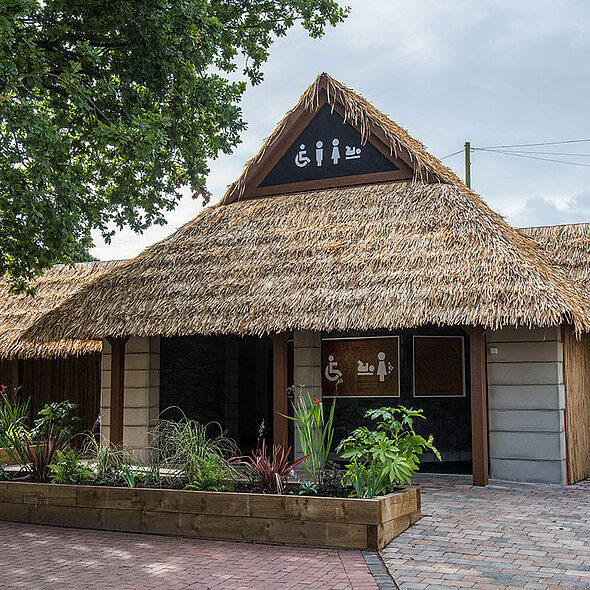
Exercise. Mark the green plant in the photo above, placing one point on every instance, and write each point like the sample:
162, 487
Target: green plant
367, 481
130, 477
3, 474
212, 474
67, 469
60, 415
13, 415
151, 474
35, 449
106, 460
387, 456
183, 445
269, 473
308, 488
332, 476
315, 434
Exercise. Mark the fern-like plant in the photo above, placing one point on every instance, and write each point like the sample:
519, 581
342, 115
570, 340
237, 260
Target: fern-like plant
387, 456
67, 469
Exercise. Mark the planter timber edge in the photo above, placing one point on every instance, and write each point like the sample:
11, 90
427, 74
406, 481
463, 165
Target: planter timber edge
262, 518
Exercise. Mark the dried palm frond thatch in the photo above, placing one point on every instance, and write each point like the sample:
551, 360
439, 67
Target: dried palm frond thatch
393, 255
567, 246
18, 312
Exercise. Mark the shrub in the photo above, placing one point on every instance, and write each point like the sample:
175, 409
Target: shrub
13, 416
107, 461
332, 476
58, 415
67, 469
34, 449
308, 488
388, 456
315, 434
184, 445
269, 473
211, 474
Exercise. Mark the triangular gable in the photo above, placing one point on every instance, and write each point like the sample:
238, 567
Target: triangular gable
334, 138
330, 150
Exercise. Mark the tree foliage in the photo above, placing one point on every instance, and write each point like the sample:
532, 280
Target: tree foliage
108, 108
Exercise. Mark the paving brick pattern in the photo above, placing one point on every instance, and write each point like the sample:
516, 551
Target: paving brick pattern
45, 558
503, 536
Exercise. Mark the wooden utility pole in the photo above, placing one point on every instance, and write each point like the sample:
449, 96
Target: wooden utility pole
468, 164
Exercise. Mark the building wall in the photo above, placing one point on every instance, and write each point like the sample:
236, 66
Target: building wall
74, 378
193, 377
526, 405
142, 391
448, 419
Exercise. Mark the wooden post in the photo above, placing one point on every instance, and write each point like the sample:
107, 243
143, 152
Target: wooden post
280, 385
479, 406
117, 389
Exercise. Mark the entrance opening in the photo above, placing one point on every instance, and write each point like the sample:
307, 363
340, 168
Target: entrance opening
255, 392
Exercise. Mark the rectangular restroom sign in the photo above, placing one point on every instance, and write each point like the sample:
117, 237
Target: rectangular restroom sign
360, 367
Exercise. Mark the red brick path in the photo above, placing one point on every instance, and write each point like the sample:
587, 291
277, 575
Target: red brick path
39, 558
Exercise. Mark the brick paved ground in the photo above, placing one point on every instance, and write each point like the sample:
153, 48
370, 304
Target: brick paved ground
502, 536
39, 558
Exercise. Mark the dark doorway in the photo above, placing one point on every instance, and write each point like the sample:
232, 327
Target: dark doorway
255, 389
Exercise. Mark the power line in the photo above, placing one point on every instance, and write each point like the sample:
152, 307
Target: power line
514, 145
453, 154
521, 155
550, 153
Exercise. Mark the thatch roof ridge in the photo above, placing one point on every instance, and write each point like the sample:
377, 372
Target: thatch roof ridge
566, 246
18, 312
363, 115
392, 255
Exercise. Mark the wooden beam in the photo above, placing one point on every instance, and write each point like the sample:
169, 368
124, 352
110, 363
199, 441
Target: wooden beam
280, 385
479, 405
117, 389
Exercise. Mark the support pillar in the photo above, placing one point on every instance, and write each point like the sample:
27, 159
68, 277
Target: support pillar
117, 389
280, 385
479, 406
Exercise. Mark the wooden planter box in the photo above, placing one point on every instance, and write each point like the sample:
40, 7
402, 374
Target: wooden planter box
262, 518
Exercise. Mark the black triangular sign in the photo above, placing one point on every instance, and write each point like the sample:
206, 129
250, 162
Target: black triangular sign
327, 148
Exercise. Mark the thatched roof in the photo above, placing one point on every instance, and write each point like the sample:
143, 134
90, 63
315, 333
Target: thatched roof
567, 246
391, 255
19, 312
365, 118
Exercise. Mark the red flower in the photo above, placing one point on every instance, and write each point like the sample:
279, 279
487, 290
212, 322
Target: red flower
316, 400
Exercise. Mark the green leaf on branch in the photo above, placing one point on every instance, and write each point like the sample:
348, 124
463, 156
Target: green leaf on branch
109, 108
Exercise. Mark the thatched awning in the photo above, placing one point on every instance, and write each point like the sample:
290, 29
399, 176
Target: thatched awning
392, 255
567, 246
19, 312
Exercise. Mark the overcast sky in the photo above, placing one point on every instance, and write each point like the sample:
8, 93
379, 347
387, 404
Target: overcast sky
491, 72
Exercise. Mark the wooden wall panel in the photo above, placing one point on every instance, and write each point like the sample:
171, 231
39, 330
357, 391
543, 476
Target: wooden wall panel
577, 404
53, 380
